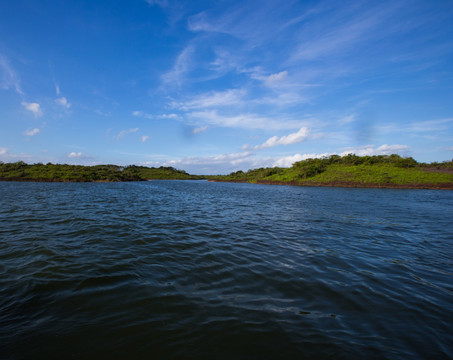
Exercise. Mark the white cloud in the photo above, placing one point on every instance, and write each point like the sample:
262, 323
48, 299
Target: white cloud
57, 89
7, 156
213, 99
288, 161
144, 138
215, 164
125, 132
369, 150
142, 114
8, 77
63, 102
31, 132
244, 121
180, 68
227, 163
283, 99
168, 116
199, 130
76, 155
293, 138
276, 79
35, 108
431, 125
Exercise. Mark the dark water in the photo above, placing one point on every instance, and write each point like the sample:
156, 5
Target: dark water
173, 269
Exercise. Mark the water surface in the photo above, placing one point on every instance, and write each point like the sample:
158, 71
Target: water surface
192, 269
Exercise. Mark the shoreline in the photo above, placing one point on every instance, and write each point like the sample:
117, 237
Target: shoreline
345, 184
64, 180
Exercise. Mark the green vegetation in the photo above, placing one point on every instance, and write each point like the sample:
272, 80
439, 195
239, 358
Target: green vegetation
352, 170
162, 173
20, 171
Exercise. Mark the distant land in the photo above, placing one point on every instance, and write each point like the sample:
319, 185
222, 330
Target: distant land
379, 171
20, 171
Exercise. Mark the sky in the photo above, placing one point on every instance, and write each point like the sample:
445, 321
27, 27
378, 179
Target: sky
212, 87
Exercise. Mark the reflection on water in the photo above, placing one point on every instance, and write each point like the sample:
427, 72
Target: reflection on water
180, 269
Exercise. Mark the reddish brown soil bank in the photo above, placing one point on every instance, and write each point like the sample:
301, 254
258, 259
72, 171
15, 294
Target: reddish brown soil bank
350, 184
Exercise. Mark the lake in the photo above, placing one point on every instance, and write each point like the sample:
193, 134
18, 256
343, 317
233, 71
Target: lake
203, 270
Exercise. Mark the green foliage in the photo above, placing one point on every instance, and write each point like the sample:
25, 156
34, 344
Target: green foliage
57, 172
379, 169
162, 173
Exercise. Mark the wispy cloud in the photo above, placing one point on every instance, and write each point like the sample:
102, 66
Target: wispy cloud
78, 155
293, 138
288, 161
245, 121
369, 150
6, 155
63, 102
245, 21
34, 107
168, 116
199, 130
223, 163
31, 132
180, 68
144, 138
226, 163
276, 79
356, 27
9, 78
125, 132
347, 119
161, 3
142, 114
231, 97
431, 125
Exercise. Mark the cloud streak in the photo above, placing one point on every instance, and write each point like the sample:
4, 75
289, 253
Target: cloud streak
125, 132
293, 138
214, 99
9, 78
31, 132
180, 68
63, 102
78, 155
369, 150
243, 121
33, 107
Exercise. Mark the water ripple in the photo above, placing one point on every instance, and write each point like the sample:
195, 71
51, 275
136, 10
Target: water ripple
174, 269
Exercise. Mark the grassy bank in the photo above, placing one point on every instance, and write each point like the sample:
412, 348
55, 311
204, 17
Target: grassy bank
352, 170
20, 171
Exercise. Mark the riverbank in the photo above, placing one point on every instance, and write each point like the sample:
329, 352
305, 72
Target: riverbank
20, 171
345, 184
382, 171
63, 180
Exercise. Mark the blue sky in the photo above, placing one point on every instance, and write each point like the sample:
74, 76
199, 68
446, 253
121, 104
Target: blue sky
218, 86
